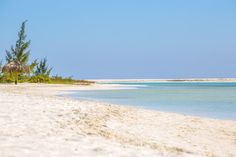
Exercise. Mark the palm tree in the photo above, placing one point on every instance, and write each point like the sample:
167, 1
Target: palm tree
18, 56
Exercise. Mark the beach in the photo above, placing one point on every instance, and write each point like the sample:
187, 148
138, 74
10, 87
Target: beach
36, 120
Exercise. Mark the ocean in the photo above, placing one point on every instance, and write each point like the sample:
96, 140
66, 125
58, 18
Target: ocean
213, 100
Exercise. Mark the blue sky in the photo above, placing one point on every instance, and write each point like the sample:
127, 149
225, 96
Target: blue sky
127, 38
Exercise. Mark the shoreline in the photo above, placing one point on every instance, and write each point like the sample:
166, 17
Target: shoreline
165, 80
35, 112
65, 95
147, 109
111, 86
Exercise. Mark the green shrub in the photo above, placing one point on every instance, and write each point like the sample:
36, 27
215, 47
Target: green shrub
1, 79
6, 78
68, 80
40, 79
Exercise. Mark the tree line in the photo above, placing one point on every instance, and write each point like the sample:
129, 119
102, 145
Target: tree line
18, 69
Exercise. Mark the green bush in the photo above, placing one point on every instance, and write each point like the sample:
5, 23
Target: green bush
23, 78
60, 80
40, 79
6, 78
68, 80
1, 79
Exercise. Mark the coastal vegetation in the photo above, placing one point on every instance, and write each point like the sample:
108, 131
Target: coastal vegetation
18, 68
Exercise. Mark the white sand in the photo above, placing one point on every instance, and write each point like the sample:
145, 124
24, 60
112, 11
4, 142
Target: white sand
37, 123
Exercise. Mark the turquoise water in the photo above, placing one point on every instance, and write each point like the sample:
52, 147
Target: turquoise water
214, 100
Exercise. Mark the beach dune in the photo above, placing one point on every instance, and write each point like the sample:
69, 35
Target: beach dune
37, 121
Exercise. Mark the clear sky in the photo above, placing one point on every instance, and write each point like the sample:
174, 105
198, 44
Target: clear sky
127, 38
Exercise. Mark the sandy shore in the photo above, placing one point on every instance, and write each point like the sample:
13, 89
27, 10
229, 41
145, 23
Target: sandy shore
35, 122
